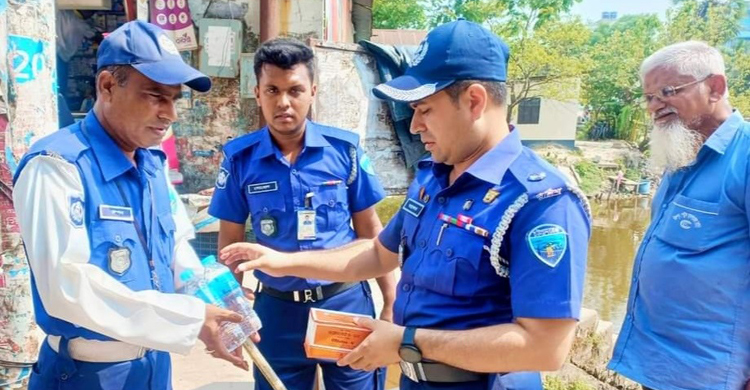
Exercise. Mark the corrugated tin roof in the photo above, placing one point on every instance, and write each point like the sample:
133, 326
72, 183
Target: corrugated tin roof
398, 37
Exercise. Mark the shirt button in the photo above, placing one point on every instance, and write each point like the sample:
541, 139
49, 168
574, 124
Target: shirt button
294, 172
449, 252
265, 209
64, 376
331, 203
422, 243
664, 206
406, 287
441, 200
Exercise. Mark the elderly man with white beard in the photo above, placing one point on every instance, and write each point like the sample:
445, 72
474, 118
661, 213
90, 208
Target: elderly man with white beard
688, 315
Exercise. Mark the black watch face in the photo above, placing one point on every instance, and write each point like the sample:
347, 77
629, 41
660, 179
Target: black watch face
410, 354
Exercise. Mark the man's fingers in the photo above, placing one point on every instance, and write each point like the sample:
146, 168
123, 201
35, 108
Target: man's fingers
249, 294
228, 315
351, 357
238, 354
255, 337
365, 322
250, 265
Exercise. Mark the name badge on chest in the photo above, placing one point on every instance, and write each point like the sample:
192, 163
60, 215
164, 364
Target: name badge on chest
306, 225
413, 207
115, 213
260, 188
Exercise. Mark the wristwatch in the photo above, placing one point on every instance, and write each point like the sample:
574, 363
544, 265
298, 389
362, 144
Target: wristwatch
408, 350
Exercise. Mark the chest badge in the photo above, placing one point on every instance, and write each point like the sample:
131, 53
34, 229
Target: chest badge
119, 260
268, 226
548, 243
491, 195
423, 195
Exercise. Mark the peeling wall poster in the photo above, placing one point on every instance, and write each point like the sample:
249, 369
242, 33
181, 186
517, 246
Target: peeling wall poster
174, 17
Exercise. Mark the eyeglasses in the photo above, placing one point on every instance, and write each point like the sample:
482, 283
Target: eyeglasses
669, 91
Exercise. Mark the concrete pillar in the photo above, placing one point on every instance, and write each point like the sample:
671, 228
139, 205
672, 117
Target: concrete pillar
28, 110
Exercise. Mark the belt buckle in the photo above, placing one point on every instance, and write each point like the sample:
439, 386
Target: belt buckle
308, 296
410, 370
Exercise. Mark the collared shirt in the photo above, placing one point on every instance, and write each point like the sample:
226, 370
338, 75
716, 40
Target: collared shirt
449, 278
332, 178
82, 207
688, 319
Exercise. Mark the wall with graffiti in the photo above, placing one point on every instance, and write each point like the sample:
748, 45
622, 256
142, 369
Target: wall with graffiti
28, 110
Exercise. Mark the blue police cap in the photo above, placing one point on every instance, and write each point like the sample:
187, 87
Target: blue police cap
459, 50
149, 50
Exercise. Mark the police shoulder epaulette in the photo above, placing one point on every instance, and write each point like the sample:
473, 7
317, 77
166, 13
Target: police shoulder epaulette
241, 143
350, 137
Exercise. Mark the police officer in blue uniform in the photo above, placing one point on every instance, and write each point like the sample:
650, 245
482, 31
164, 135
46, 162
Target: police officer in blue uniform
96, 214
491, 240
305, 186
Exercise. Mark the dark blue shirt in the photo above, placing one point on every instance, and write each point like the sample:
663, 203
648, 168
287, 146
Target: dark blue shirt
507, 239
332, 176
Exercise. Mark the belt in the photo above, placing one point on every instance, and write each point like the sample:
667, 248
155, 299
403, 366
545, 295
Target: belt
97, 351
312, 295
438, 372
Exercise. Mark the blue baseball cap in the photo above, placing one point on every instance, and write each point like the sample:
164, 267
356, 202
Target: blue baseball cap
149, 50
459, 50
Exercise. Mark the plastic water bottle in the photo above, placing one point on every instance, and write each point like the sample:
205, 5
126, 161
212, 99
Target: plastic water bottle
222, 283
232, 334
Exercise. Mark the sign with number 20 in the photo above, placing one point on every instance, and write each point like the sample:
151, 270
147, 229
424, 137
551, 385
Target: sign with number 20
26, 57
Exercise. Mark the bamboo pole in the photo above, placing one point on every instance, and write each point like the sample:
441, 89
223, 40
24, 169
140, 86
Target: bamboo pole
263, 366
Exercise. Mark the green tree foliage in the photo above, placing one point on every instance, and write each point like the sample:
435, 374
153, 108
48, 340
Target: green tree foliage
398, 14
548, 62
612, 89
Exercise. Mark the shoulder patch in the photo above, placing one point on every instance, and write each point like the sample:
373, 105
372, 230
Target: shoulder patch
366, 164
548, 243
76, 210
221, 178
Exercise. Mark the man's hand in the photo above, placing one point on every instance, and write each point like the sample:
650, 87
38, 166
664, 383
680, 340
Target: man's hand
379, 349
243, 256
210, 335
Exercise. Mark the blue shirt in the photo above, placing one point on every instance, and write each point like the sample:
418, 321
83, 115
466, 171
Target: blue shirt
688, 319
536, 225
332, 176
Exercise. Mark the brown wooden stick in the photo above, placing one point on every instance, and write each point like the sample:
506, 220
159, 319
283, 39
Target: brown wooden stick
263, 365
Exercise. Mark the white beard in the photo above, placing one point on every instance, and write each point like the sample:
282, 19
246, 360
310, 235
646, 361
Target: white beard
673, 146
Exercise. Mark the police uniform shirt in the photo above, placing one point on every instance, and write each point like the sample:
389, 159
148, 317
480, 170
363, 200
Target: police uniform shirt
508, 239
91, 275
332, 178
